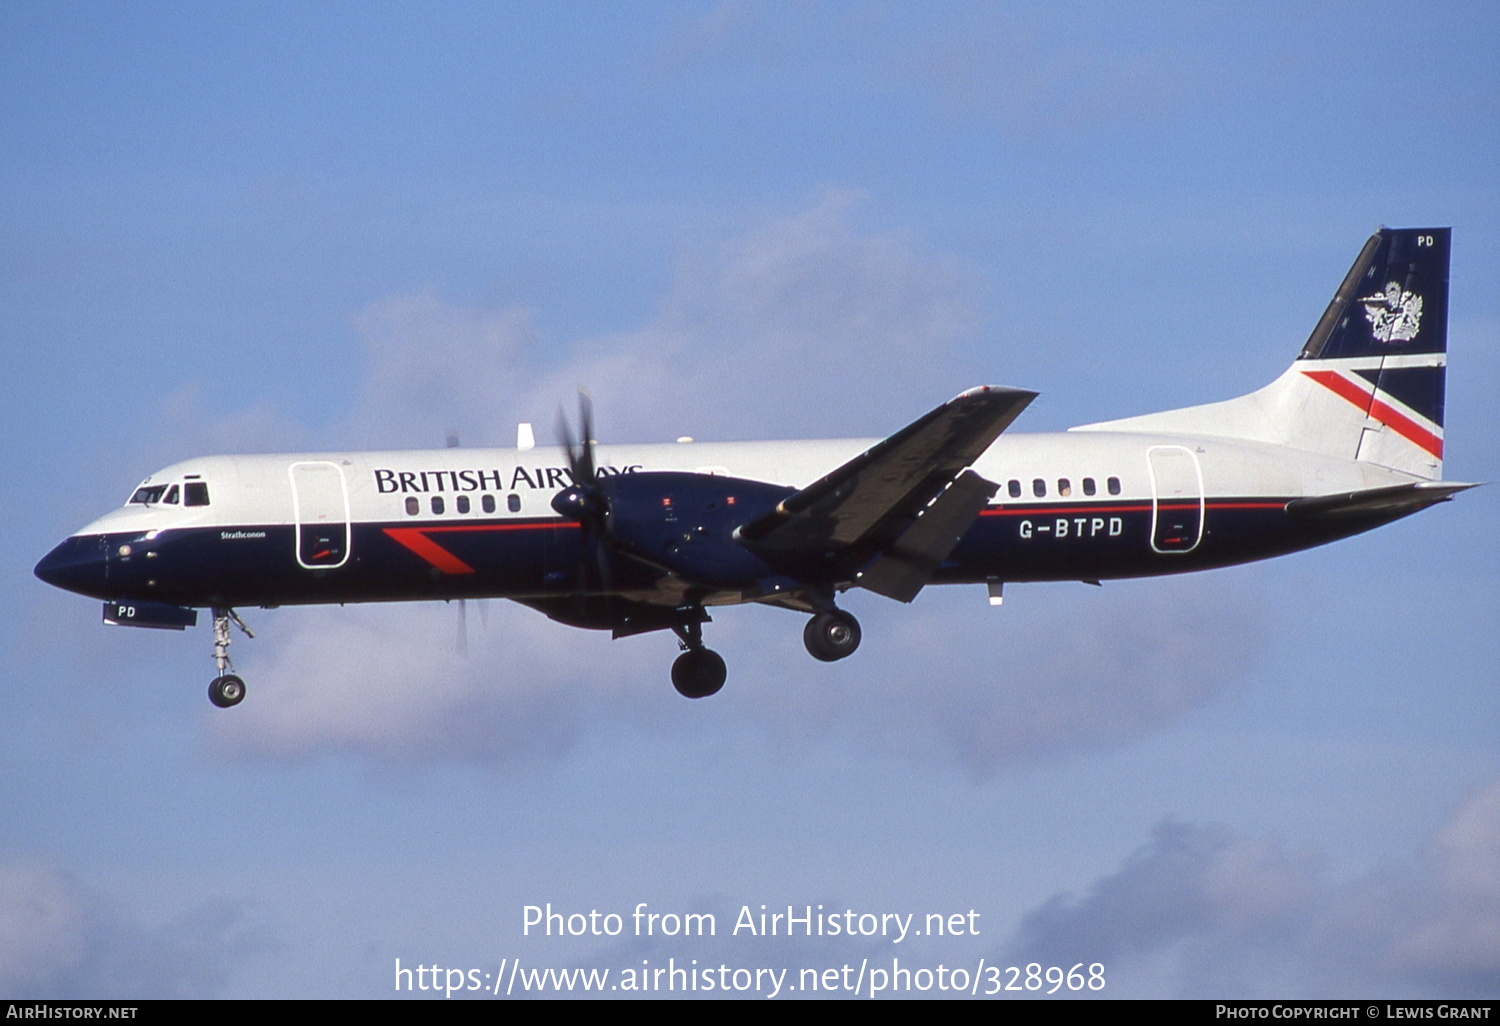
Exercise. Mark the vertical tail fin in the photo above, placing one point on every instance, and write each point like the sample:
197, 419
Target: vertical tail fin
1404, 272
1368, 385
1382, 347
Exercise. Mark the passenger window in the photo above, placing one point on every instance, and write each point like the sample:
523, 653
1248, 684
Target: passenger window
463, 504
437, 504
1088, 486
412, 506
513, 502
1015, 488
1114, 486
1039, 488
195, 493
1064, 487
488, 502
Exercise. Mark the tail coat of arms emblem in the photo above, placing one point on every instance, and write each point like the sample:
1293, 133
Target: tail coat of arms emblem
1395, 315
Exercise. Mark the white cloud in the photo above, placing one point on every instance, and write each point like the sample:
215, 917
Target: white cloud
805, 326
1457, 936
710, 39
1081, 668
1211, 913
59, 939
388, 682
43, 925
189, 427
937, 682
1011, 74
433, 366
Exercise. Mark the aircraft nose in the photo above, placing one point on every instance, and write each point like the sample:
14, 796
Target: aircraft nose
79, 564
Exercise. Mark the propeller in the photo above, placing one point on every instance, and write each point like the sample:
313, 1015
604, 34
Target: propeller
584, 501
461, 646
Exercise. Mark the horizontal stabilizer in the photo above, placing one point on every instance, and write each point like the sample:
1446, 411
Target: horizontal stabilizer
1397, 500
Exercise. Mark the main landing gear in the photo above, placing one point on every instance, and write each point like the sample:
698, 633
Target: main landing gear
226, 689
831, 635
698, 672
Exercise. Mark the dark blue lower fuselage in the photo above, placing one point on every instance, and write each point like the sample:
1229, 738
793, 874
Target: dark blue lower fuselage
544, 558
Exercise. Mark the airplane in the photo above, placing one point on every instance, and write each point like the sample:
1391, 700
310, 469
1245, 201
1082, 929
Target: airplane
640, 538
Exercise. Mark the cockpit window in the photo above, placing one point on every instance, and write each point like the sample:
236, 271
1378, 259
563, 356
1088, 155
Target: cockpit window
194, 493
149, 494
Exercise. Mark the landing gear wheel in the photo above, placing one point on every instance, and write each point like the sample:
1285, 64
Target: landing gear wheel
831, 636
226, 691
698, 673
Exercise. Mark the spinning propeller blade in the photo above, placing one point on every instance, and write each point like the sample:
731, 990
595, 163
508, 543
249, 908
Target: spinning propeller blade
580, 454
583, 501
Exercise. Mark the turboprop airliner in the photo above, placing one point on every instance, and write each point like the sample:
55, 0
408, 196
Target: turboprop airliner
639, 538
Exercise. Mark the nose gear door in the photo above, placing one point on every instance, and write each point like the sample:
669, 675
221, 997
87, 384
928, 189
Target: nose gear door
320, 509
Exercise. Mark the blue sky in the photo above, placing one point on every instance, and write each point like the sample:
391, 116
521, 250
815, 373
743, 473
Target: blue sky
281, 226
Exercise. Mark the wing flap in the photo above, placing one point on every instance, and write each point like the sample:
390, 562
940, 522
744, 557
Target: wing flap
907, 565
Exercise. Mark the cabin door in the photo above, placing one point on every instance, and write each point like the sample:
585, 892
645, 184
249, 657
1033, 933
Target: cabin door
1176, 498
320, 509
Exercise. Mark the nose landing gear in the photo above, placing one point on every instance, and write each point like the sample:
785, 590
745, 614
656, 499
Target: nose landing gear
226, 689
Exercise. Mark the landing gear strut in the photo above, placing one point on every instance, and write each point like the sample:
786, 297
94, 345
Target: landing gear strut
831, 635
226, 689
698, 672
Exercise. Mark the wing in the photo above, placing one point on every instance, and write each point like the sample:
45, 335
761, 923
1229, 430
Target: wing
906, 500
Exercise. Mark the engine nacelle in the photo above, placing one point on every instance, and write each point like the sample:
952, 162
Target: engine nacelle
684, 524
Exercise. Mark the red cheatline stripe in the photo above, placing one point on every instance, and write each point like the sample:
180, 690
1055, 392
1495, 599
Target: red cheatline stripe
1033, 511
1389, 416
548, 525
1084, 510
415, 539
1341, 387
